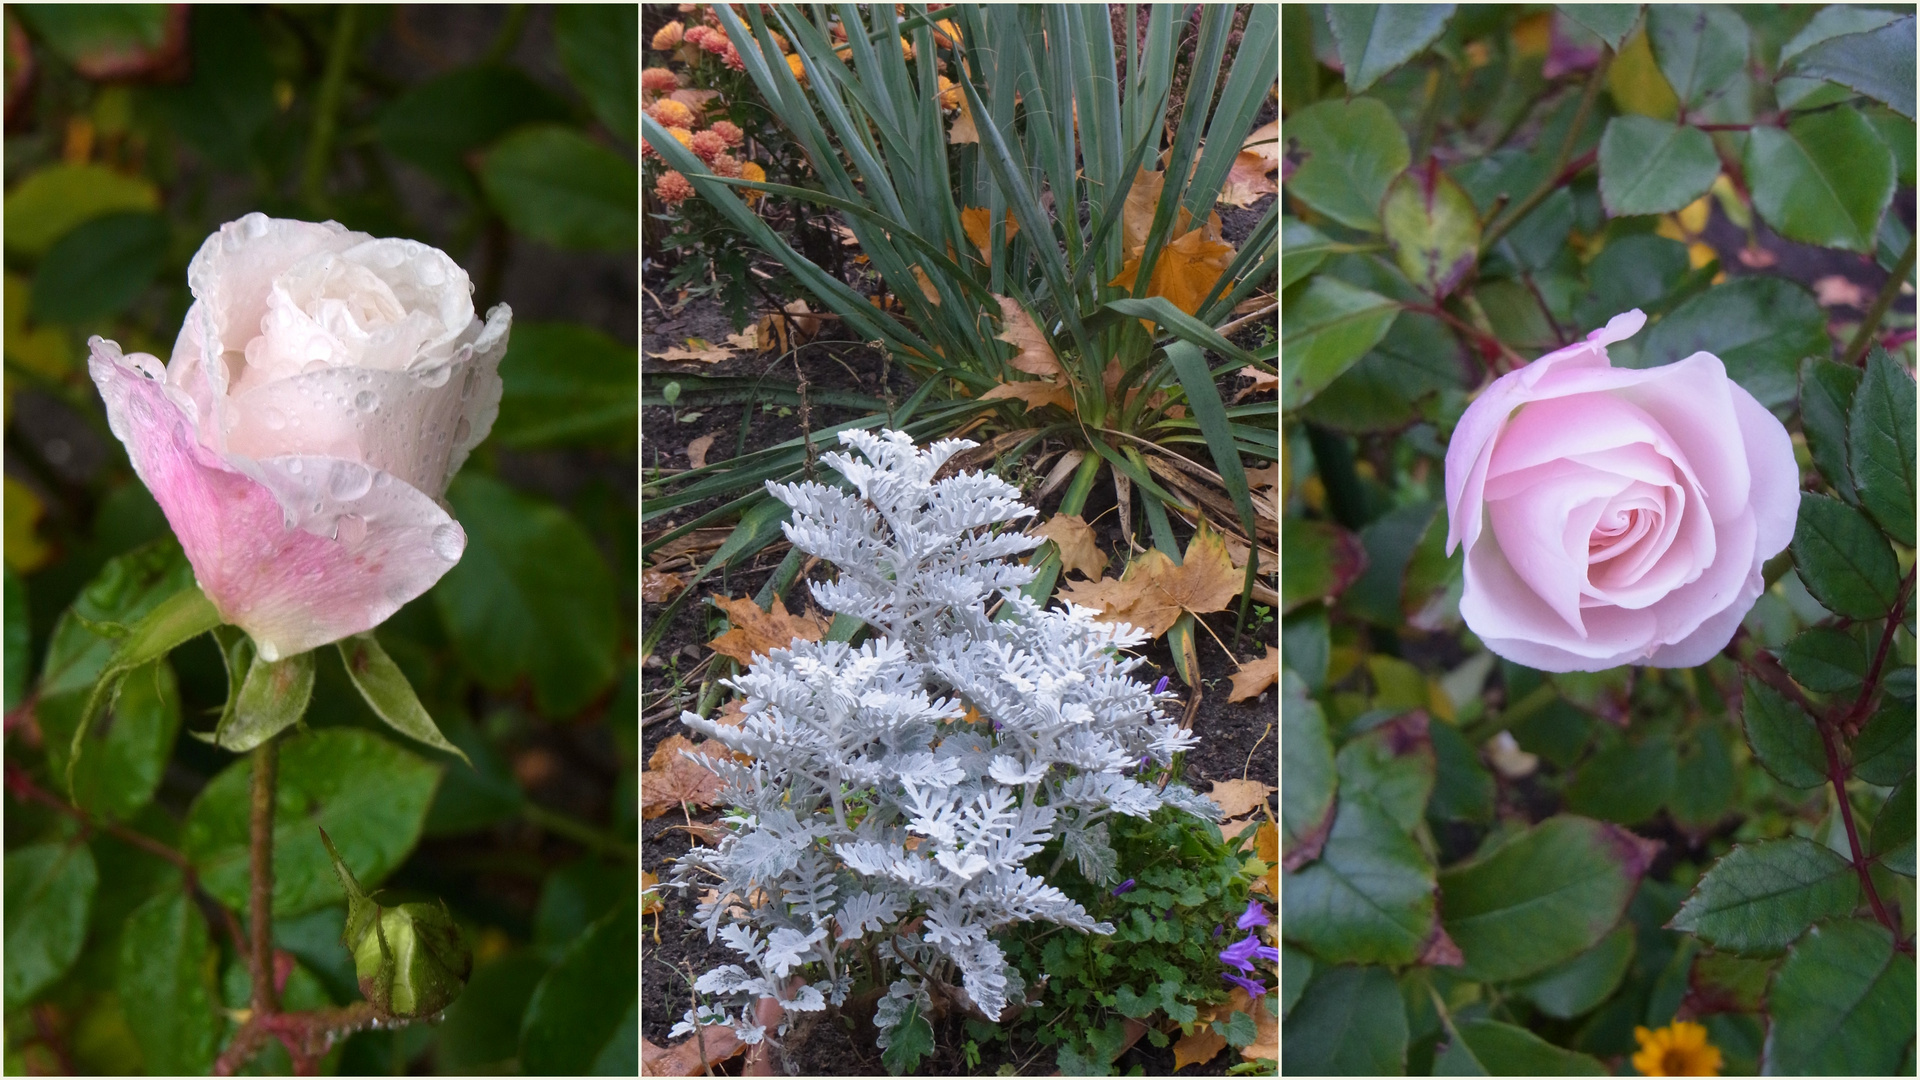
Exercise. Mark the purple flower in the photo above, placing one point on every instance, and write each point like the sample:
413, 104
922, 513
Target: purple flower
1217, 927
1161, 686
1251, 986
1256, 915
1124, 887
1240, 954
1146, 760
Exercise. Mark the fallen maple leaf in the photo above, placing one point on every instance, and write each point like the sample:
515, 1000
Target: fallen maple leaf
1268, 477
1237, 797
707, 1046
1255, 676
1265, 142
658, 586
649, 892
1264, 382
1266, 1039
1152, 592
672, 779
750, 340
1074, 537
1249, 180
1266, 846
1018, 329
694, 99
760, 632
1035, 393
977, 222
1231, 829
1186, 270
732, 714
697, 451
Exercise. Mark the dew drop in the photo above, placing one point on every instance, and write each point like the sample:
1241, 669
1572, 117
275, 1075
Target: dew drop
449, 542
351, 529
296, 467
349, 480
274, 419
462, 430
366, 400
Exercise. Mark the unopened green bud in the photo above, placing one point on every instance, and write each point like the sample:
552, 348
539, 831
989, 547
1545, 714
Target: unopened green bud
411, 960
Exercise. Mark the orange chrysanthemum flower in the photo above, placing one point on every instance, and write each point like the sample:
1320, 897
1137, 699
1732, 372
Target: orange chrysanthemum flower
671, 113
708, 146
728, 131
658, 80
725, 165
669, 36
1679, 1049
673, 188
751, 170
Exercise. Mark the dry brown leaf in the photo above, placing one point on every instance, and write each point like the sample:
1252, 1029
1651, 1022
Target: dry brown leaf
1035, 393
1268, 477
709, 833
926, 287
697, 451
750, 340
1266, 845
1237, 797
732, 714
1264, 141
694, 99
1198, 1048
1019, 330
710, 1045
963, 130
1136, 214
1255, 676
1266, 1040
672, 779
649, 892
1153, 592
1237, 552
1231, 829
756, 631
1205, 580
1249, 180
977, 221
1075, 539
658, 586
1264, 382
697, 541
1186, 270
697, 350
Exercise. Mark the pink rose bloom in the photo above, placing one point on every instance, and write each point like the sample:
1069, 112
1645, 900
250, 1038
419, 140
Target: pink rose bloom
324, 388
1615, 516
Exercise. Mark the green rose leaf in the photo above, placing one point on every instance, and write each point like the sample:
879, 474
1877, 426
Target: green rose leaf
1376, 38
166, 986
1893, 830
1761, 896
1634, 271
1883, 751
1825, 660
1649, 166
96, 270
531, 597
1432, 227
1837, 20
1825, 179
49, 890
120, 766
1302, 249
600, 48
271, 697
1699, 48
1542, 897
1350, 1021
583, 1016
1843, 560
368, 793
1347, 153
1582, 983
1322, 560
1841, 1004
1626, 782
51, 202
1368, 898
1306, 805
1296, 968
1826, 400
1783, 736
562, 188
1880, 444
1760, 327
1610, 22
436, 124
1505, 1050
1394, 765
1326, 326
1878, 63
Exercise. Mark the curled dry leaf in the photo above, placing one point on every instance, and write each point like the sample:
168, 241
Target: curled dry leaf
697, 351
1017, 328
1255, 676
760, 632
1238, 797
1266, 845
1075, 539
1153, 592
1264, 382
1268, 477
1249, 180
1200, 1047
1264, 142
926, 287
697, 451
710, 1045
672, 779
658, 586
963, 129
649, 892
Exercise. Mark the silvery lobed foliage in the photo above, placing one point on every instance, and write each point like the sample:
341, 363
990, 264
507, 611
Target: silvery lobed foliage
906, 782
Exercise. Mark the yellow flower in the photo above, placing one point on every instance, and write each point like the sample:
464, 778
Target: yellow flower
1679, 1049
949, 94
752, 171
798, 68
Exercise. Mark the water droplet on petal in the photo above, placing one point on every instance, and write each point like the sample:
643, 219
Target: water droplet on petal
352, 529
366, 400
349, 480
274, 419
449, 542
462, 430
296, 466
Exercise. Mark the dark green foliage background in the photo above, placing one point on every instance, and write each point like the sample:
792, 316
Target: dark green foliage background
505, 136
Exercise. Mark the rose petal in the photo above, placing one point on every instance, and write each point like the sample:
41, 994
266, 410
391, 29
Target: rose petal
1692, 402
1509, 619
1775, 492
297, 551
1712, 635
228, 273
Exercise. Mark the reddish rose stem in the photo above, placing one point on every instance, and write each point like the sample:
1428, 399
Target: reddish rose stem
1837, 774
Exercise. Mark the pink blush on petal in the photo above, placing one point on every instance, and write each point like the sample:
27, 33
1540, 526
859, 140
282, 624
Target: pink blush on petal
290, 588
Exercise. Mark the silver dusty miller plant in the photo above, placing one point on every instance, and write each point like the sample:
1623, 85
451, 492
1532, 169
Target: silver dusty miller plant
898, 790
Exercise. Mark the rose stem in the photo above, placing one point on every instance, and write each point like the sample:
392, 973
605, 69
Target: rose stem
1558, 175
313, 185
266, 766
1837, 773
1863, 337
